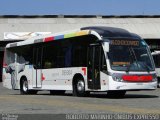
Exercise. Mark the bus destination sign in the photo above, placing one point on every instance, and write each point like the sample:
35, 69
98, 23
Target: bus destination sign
125, 42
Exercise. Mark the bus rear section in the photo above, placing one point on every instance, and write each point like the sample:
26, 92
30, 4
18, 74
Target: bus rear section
9, 70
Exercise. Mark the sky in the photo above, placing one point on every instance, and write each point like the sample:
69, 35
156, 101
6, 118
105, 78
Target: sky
80, 7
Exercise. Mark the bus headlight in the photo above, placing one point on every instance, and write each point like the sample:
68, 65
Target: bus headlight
118, 79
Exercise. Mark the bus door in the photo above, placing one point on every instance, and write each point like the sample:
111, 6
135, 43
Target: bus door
37, 67
94, 58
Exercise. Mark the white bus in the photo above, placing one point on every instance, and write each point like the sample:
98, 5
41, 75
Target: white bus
156, 57
95, 58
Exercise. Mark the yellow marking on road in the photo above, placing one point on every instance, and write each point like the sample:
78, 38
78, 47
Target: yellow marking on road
78, 105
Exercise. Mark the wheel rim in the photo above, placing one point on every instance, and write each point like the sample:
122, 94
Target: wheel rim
25, 86
80, 86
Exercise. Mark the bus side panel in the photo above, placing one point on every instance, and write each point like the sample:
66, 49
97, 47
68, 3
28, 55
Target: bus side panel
24, 71
6, 76
104, 78
60, 78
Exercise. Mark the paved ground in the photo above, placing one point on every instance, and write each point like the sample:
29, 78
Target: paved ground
134, 102
139, 102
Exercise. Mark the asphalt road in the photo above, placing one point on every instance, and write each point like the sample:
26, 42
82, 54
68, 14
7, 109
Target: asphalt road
138, 102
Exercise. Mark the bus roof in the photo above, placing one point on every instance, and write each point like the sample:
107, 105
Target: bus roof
111, 32
98, 31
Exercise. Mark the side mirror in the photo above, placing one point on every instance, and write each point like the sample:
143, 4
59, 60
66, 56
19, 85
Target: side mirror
106, 46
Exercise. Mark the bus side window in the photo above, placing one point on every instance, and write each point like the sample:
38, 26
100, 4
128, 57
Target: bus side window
68, 56
47, 65
48, 60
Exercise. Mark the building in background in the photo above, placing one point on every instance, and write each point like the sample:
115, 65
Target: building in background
17, 28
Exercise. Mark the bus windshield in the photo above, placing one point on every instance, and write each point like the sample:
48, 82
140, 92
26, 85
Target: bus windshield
130, 55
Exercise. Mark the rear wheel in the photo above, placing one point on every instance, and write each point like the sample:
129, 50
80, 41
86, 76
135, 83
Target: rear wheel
116, 94
24, 88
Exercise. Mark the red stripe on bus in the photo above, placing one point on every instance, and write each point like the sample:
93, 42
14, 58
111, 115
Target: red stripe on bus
48, 39
84, 70
42, 77
136, 78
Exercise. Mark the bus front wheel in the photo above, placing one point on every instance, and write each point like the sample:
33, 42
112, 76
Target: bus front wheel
79, 88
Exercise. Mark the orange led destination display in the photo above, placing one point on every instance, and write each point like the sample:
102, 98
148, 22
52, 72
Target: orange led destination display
121, 63
125, 42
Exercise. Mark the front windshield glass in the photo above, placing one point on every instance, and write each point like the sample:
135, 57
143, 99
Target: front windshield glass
130, 55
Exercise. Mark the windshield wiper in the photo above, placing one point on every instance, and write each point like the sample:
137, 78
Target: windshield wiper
132, 57
146, 66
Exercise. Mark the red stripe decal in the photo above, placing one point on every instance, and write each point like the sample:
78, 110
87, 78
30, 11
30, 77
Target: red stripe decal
42, 77
136, 78
48, 39
84, 70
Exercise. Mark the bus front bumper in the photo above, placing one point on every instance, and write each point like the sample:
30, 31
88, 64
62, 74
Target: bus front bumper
114, 85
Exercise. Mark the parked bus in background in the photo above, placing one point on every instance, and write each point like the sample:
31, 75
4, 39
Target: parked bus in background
95, 58
156, 57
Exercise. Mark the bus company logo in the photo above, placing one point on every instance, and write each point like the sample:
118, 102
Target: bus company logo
66, 72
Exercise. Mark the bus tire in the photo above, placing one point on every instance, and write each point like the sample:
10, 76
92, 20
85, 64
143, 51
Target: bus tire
116, 94
57, 92
79, 88
24, 86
